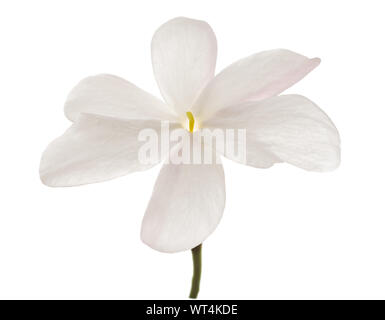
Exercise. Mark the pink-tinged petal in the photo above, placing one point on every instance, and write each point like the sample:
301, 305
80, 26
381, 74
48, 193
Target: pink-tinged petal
112, 96
287, 128
256, 77
95, 148
186, 206
184, 53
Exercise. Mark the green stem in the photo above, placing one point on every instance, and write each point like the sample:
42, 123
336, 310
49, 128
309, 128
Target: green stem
197, 262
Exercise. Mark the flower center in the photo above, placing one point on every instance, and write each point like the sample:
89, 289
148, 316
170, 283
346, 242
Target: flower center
191, 121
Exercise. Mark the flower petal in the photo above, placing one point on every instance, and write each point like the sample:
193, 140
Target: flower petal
112, 96
288, 128
184, 53
256, 77
187, 204
95, 148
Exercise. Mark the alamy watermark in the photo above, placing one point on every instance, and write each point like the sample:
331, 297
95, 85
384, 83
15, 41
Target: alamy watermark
179, 146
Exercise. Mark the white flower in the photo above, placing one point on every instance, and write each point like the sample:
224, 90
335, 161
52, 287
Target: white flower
188, 199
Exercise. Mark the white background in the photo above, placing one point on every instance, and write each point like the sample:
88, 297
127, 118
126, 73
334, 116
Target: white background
286, 233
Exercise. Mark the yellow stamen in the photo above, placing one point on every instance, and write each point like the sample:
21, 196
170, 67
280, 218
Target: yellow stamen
191, 121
